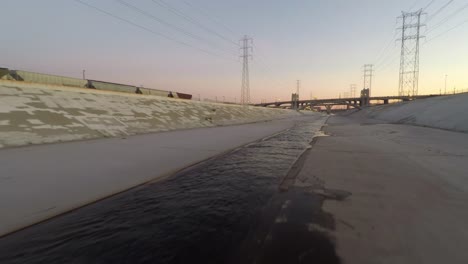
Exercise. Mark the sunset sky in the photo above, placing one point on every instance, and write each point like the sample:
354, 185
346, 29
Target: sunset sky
323, 43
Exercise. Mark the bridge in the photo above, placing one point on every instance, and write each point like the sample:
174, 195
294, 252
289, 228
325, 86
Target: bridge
351, 102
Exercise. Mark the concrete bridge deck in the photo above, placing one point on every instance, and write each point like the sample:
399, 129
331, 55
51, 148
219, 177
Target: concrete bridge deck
346, 101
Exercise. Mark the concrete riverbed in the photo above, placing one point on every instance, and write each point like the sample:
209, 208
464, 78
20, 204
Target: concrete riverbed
207, 213
39, 182
366, 191
407, 190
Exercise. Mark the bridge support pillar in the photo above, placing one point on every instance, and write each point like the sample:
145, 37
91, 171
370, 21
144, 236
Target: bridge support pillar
365, 97
295, 101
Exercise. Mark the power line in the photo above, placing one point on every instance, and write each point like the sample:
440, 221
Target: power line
428, 5
262, 61
266, 69
192, 20
438, 11
179, 13
266, 73
147, 29
385, 60
385, 66
128, 5
386, 57
413, 5
216, 21
447, 18
381, 56
446, 31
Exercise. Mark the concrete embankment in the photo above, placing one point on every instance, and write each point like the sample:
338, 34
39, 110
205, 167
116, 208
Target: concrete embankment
40, 113
445, 112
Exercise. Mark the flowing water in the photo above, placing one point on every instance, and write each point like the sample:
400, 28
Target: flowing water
200, 215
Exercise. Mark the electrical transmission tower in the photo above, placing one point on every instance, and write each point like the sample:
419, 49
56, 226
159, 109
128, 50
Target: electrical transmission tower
352, 89
246, 50
298, 87
368, 73
409, 58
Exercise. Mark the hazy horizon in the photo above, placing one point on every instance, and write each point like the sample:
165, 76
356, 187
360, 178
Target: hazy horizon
322, 43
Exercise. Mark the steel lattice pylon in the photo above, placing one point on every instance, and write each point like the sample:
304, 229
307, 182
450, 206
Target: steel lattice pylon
368, 74
246, 48
409, 58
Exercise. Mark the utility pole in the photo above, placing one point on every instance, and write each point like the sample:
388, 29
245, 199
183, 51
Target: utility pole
445, 83
84, 77
368, 74
246, 49
352, 88
409, 57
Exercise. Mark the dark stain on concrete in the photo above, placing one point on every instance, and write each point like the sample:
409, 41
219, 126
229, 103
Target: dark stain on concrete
48, 117
37, 105
292, 229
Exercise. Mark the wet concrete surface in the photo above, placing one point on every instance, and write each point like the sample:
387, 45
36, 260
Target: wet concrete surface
230, 209
405, 191
294, 229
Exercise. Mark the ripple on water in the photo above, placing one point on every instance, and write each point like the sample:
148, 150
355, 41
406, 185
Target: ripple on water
201, 214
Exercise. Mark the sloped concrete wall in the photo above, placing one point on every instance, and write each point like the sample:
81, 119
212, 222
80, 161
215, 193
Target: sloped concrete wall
40, 113
445, 112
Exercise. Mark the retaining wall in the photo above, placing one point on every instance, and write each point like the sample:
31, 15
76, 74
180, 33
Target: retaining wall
40, 113
34, 77
47, 79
